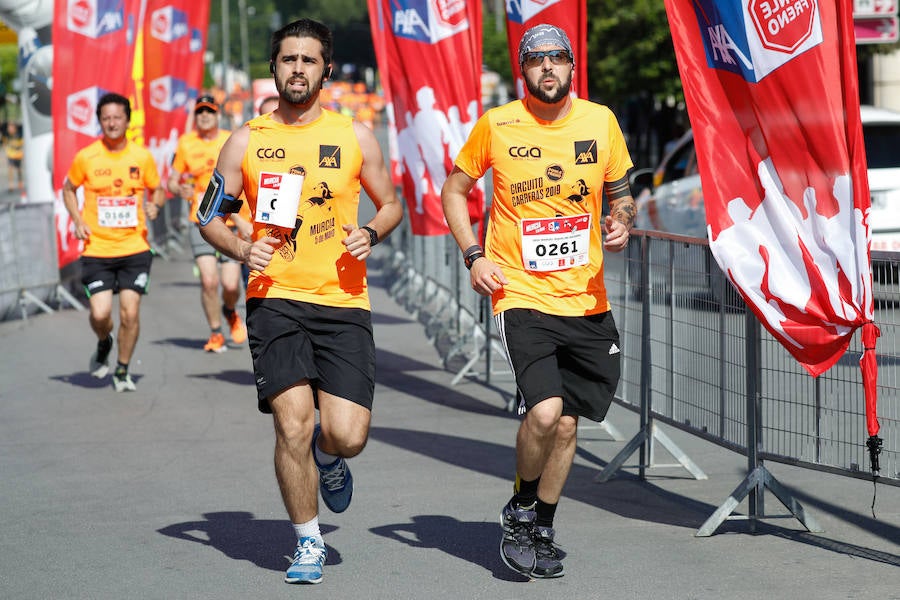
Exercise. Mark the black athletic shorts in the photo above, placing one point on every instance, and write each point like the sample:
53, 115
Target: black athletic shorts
130, 272
575, 358
292, 340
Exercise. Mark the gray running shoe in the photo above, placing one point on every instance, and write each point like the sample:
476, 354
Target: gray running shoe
517, 544
547, 561
123, 383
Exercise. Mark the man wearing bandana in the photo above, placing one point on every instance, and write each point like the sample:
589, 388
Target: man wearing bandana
553, 158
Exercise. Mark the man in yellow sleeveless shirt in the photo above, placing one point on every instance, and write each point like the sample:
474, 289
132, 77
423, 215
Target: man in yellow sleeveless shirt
192, 167
552, 157
116, 173
308, 311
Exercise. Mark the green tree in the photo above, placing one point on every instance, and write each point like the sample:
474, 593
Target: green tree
630, 51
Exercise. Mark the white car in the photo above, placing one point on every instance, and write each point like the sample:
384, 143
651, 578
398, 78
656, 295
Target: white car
670, 197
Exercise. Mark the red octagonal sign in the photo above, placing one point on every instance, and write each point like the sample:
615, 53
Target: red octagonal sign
783, 25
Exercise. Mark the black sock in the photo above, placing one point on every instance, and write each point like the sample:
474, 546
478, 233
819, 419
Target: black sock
227, 311
216, 329
525, 492
121, 369
104, 346
544, 513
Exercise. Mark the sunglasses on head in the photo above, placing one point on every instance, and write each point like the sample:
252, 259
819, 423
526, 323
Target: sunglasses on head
557, 57
204, 109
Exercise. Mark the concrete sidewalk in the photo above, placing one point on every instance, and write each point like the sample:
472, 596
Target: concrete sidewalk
170, 492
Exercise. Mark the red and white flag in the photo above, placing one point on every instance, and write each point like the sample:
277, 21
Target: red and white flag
568, 15
773, 99
174, 42
431, 66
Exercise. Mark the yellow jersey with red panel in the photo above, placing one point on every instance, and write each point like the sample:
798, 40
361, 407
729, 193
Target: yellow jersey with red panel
316, 168
545, 226
114, 186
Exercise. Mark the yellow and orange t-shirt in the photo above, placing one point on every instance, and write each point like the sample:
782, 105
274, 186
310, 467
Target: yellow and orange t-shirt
545, 226
114, 186
311, 264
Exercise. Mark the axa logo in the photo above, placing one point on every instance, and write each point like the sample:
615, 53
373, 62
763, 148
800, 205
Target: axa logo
429, 21
752, 38
524, 151
329, 157
168, 93
168, 24
520, 11
94, 18
270, 153
585, 152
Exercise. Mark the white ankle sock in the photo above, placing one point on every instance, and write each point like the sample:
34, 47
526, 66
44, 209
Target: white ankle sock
308, 529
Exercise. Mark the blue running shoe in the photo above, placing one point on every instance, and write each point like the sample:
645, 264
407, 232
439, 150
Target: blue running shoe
335, 480
309, 558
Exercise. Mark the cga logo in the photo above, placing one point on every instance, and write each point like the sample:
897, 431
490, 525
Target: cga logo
94, 18
168, 93
80, 114
520, 11
168, 24
270, 153
429, 21
753, 38
524, 152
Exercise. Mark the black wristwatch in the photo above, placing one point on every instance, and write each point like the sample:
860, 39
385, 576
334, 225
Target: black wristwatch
469, 259
373, 235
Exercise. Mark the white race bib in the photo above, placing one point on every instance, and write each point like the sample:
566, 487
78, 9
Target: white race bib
277, 199
556, 243
117, 212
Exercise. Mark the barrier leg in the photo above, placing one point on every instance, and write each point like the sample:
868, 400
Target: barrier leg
758, 479
648, 435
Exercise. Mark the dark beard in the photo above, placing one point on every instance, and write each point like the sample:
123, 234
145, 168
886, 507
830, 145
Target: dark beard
300, 98
539, 94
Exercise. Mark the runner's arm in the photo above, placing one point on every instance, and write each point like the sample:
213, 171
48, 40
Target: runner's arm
622, 211
216, 232
70, 199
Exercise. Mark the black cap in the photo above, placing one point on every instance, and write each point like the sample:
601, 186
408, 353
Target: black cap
206, 101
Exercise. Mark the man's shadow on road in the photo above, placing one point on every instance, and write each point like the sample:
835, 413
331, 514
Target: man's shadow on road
85, 380
240, 536
478, 543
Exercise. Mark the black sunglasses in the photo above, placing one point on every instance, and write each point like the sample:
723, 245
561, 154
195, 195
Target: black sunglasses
557, 57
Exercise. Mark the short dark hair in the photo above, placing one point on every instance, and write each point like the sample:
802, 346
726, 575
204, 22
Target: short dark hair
304, 28
113, 98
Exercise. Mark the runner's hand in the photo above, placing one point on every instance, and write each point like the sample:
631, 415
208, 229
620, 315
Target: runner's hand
487, 277
616, 235
358, 242
260, 253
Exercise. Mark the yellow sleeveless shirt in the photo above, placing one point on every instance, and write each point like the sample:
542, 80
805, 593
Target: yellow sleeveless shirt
311, 264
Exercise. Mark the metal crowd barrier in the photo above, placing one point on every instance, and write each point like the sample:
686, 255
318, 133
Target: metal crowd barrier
693, 359
29, 271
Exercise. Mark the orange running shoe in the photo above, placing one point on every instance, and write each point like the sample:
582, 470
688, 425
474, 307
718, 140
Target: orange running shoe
238, 329
216, 343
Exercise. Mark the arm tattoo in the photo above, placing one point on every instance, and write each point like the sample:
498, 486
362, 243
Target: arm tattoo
621, 204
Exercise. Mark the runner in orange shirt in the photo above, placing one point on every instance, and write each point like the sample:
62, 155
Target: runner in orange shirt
301, 168
192, 166
117, 175
553, 157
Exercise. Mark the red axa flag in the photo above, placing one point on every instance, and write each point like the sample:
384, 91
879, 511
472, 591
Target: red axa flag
379, 41
93, 52
772, 95
174, 42
568, 15
432, 67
